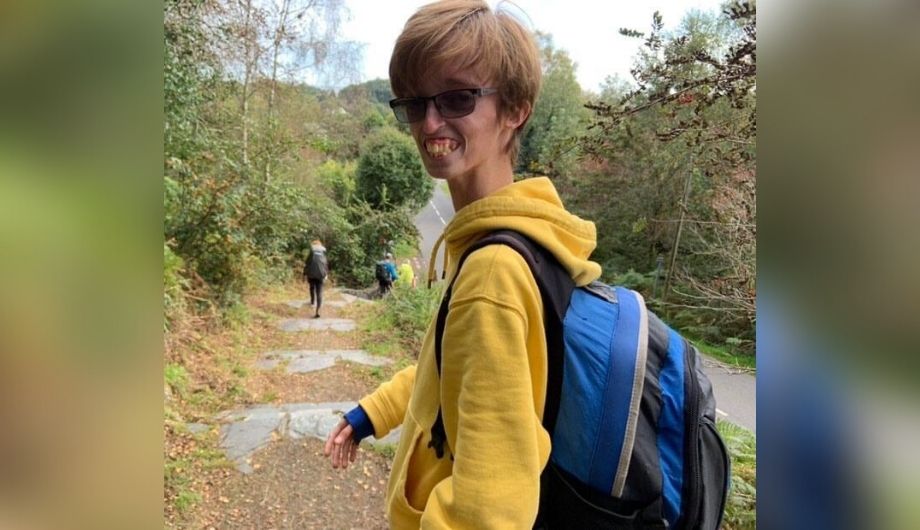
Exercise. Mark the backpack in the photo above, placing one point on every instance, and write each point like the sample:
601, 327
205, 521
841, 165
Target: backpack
382, 272
317, 267
629, 410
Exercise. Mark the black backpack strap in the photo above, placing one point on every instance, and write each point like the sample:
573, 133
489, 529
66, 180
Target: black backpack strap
555, 287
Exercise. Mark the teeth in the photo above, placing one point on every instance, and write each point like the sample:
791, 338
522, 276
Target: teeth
440, 148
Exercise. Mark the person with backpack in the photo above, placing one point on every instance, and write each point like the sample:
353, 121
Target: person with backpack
489, 417
385, 272
315, 271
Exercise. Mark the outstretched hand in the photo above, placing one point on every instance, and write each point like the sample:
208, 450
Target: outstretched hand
341, 445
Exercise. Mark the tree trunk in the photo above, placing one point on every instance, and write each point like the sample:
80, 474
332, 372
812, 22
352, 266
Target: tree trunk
280, 33
680, 228
249, 66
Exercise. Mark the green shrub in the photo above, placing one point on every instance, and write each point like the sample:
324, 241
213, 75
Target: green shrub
373, 230
405, 249
176, 377
339, 178
407, 312
390, 174
633, 280
174, 285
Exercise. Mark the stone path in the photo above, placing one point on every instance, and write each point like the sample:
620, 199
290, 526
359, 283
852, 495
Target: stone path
303, 361
297, 304
245, 431
292, 325
248, 430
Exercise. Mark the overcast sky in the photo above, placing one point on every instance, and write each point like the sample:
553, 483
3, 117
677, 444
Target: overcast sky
587, 29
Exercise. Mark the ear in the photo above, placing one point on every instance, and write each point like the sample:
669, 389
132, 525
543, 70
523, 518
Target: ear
516, 118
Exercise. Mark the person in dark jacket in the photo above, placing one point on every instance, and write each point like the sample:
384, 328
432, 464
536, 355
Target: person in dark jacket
315, 271
386, 273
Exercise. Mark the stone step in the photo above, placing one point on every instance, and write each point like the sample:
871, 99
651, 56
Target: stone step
293, 325
245, 431
297, 304
303, 361
350, 298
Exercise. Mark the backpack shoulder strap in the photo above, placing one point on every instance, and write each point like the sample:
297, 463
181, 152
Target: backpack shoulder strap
626, 380
555, 287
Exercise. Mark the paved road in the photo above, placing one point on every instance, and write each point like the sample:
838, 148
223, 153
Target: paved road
431, 222
734, 391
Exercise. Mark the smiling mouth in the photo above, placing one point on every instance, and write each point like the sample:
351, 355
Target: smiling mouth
441, 147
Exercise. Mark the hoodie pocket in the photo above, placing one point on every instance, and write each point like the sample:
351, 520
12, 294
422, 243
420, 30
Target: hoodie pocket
402, 511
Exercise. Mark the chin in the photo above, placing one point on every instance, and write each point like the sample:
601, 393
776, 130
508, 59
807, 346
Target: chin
439, 170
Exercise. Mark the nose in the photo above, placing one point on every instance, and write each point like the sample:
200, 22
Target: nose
433, 119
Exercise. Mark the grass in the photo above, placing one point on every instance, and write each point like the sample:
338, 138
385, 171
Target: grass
404, 250
186, 499
178, 482
386, 450
239, 370
187, 457
384, 344
176, 377
743, 362
741, 509
400, 320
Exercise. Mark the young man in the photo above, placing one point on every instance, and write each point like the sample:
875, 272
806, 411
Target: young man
315, 271
466, 79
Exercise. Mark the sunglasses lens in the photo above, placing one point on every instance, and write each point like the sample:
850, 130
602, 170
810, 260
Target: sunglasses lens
456, 103
451, 104
415, 110
405, 111
400, 112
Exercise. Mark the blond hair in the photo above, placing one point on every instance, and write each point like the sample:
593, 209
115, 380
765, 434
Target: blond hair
468, 34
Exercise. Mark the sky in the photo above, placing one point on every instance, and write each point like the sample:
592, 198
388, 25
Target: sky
587, 29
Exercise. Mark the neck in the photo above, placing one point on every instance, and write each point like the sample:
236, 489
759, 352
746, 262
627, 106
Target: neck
469, 188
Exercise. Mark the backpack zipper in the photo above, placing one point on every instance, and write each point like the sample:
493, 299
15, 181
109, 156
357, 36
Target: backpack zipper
692, 510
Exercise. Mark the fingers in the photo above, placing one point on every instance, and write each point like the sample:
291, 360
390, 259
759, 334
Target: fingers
330, 440
345, 433
341, 446
342, 461
346, 448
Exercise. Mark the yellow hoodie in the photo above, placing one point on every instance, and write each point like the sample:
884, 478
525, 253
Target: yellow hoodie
493, 374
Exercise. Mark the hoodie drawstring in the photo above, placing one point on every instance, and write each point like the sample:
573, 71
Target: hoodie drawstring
432, 257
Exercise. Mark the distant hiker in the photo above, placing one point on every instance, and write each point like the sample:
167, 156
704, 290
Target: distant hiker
406, 275
315, 271
385, 272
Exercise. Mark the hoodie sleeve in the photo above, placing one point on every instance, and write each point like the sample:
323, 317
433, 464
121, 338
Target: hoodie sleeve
386, 406
492, 401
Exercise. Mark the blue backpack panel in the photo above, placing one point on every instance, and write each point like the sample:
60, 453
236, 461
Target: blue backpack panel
629, 409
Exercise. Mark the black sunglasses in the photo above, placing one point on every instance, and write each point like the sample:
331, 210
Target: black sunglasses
450, 104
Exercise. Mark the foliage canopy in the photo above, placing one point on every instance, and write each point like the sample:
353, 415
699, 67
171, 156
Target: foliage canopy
390, 174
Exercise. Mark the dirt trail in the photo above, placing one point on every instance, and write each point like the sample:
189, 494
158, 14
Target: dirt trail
292, 485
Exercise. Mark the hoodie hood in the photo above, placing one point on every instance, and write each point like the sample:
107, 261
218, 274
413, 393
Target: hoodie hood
533, 208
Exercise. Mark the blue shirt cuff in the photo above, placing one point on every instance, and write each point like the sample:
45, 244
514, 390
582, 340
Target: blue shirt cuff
360, 423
